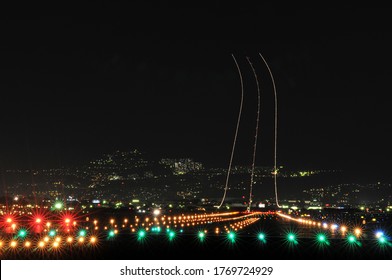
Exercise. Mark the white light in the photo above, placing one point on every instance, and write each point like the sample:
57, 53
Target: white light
156, 212
379, 234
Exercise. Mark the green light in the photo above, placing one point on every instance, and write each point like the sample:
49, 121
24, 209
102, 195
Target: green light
321, 238
261, 236
231, 236
58, 205
181, 230
82, 233
52, 233
171, 235
141, 234
22, 233
201, 235
351, 239
382, 240
111, 233
291, 237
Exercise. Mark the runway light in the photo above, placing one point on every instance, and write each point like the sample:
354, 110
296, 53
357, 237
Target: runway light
379, 234
322, 238
291, 237
141, 234
111, 233
13, 244
231, 236
22, 233
58, 205
201, 235
351, 239
171, 235
261, 236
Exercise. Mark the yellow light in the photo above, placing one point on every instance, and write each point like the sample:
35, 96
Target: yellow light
48, 224
58, 239
343, 229
67, 221
95, 222
27, 244
38, 220
13, 244
111, 221
46, 239
81, 239
55, 244
69, 239
1, 244
93, 239
9, 220
357, 231
41, 244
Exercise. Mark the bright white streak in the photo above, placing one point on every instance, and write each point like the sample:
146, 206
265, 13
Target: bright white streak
276, 131
236, 133
257, 130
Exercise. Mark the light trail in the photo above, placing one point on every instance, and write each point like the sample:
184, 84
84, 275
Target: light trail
256, 133
235, 136
275, 172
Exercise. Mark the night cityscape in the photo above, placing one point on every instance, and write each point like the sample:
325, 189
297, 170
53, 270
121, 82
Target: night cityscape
197, 134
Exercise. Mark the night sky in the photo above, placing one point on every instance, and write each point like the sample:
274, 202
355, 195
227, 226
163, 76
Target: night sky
163, 80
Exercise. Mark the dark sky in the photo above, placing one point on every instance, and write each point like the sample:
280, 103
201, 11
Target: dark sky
163, 80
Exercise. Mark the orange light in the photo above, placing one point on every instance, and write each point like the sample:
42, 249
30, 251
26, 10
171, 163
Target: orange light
69, 239
93, 239
41, 244
27, 244
13, 244
81, 239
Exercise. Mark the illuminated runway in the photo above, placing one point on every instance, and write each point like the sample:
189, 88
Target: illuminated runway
227, 235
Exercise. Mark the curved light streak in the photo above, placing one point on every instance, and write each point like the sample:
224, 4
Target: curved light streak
236, 133
256, 133
276, 131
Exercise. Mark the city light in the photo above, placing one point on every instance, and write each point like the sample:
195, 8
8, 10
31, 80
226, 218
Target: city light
52, 233
351, 239
82, 232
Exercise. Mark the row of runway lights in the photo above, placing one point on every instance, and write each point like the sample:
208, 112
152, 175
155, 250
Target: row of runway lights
53, 241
